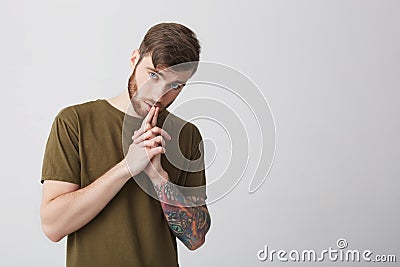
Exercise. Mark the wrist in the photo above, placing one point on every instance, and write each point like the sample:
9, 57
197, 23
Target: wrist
159, 178
123, 169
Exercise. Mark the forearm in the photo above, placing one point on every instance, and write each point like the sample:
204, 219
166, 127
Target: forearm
188, 217
69, 212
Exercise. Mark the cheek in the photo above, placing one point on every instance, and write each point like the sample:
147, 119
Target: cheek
141, 83
171, 95
143, 90
141, 79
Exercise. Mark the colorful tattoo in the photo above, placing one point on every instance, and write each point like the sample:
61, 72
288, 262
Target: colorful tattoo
188, 217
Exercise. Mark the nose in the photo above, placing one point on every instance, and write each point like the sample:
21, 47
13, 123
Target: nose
157, 92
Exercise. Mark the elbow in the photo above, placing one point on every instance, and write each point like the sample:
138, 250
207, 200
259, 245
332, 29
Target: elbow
54, 238
49, 226
51, 233
195, 245
199, 242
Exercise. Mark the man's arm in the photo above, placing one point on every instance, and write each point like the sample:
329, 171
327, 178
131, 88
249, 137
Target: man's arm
188, 217
65, 208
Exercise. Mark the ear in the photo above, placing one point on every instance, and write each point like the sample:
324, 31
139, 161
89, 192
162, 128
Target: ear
134, 58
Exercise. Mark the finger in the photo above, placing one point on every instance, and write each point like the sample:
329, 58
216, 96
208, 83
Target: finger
155, 151
144, 136
158, 130
147, 119
155, 141
137, 133
155, 116
150, 133
150, 114
141, 130
148, 126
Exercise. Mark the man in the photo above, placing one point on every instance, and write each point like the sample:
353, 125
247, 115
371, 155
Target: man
89, 191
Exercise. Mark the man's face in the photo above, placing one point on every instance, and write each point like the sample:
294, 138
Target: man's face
149, 86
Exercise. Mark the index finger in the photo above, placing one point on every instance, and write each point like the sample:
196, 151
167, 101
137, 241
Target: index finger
147, 119
155, 116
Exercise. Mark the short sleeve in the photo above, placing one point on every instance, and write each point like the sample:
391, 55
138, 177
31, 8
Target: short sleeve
198, 178
61, 157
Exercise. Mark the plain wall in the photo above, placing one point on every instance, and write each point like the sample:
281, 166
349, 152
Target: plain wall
330, 73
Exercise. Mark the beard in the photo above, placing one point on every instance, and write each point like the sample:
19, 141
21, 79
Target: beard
139, 105
132, 90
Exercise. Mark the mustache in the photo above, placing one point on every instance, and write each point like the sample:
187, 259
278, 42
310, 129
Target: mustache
154, 103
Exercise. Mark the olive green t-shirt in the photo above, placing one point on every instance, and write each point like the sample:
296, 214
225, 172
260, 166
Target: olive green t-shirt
88, 139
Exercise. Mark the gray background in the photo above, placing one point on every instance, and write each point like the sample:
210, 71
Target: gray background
330, 72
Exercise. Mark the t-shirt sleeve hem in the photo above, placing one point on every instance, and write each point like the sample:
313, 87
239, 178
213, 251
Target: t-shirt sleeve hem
59, 178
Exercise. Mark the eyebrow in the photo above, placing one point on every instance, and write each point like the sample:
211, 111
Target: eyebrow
162, 75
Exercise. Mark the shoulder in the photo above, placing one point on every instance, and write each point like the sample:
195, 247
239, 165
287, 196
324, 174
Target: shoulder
71, 114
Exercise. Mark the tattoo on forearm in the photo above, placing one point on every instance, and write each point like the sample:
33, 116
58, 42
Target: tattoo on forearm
188, 217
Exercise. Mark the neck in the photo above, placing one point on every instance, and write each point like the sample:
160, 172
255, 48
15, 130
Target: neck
122, 102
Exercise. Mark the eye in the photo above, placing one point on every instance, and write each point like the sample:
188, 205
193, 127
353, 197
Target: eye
153, 75
175, 86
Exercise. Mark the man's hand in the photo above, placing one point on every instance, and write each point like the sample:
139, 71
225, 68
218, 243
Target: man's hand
154, 170
188, 217
147, 146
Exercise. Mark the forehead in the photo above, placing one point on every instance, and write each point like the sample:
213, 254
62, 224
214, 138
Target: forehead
166, 72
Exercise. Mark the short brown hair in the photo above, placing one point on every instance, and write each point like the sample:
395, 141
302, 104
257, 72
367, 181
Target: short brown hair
170, 44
